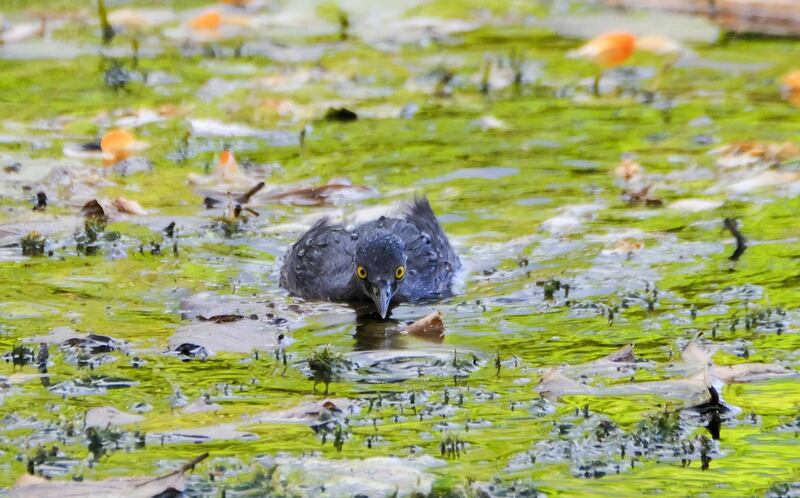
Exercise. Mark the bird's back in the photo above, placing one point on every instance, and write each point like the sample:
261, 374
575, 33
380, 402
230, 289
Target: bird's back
321, 265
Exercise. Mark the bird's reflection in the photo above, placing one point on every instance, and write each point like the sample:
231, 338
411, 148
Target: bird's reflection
374, 333
713, 411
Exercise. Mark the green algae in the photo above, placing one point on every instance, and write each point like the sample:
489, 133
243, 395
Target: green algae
562, 148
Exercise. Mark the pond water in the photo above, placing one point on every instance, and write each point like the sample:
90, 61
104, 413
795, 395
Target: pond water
586, 223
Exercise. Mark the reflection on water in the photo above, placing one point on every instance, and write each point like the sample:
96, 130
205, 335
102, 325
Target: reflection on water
374, 333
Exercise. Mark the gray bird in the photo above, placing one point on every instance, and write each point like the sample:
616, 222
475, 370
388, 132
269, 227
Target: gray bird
387, 261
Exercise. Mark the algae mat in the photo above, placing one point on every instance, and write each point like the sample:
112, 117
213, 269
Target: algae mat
156, 330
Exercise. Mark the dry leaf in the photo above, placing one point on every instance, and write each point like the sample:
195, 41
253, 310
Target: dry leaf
625, 246
769, 178
308, 412
128, 206
628, 169
21, 32
95, 209
29, 486
695, 357
312, 196
201, 405
694, 205
641, 197
740, 154
554, 384
226, 172
431, 327
745, 372
103, 416
220, 432
692, 390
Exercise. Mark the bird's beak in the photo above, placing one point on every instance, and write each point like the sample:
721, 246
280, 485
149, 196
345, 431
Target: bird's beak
382, 296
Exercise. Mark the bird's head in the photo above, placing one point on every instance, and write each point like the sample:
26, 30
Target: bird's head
380, 267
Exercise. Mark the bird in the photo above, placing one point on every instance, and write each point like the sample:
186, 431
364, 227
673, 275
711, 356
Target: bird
118, 144
790, 87
606, 51
614, 49
385, 261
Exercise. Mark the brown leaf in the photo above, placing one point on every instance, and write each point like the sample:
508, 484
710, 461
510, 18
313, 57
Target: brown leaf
93, 209
625, 246
628, 169
221, 318
104, 416
554, 384
748, 371
746, 153
126, 487
623, 355
317, 195
641, 197
128, 206
430, 327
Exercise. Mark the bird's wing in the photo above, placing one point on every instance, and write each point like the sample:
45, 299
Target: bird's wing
320, 265
431, 260
420, 214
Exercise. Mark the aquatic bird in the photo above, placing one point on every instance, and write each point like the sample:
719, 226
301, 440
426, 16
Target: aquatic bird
790, 87
208, 20
614, 49
386, 261
606, 51
212, 21
119, 144
228, 170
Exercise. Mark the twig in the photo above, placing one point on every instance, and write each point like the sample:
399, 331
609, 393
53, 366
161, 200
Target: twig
183, 469
741, 241
194, 461
245, 198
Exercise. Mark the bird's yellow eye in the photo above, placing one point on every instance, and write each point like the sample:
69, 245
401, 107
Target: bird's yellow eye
400, 272
361, 272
